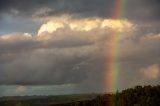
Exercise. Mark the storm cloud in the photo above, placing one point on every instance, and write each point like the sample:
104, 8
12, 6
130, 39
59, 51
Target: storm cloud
69, 54
62, 56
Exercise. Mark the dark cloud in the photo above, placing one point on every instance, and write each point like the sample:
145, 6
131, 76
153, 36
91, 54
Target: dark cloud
43, 69
136, 10
56, 6
47, 66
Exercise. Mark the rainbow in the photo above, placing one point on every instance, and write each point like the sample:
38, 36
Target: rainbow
112, 65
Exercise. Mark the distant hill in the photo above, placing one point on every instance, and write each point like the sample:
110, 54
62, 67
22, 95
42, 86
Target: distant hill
137, 96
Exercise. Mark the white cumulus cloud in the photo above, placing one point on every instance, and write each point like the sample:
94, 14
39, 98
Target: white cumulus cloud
87, 25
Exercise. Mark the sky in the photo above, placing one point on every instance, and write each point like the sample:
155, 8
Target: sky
55, 47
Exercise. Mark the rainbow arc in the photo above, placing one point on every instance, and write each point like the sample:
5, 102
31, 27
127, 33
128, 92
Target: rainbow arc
112, 65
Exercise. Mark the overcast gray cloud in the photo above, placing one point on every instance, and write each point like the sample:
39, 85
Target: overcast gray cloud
137, 9
72, 56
